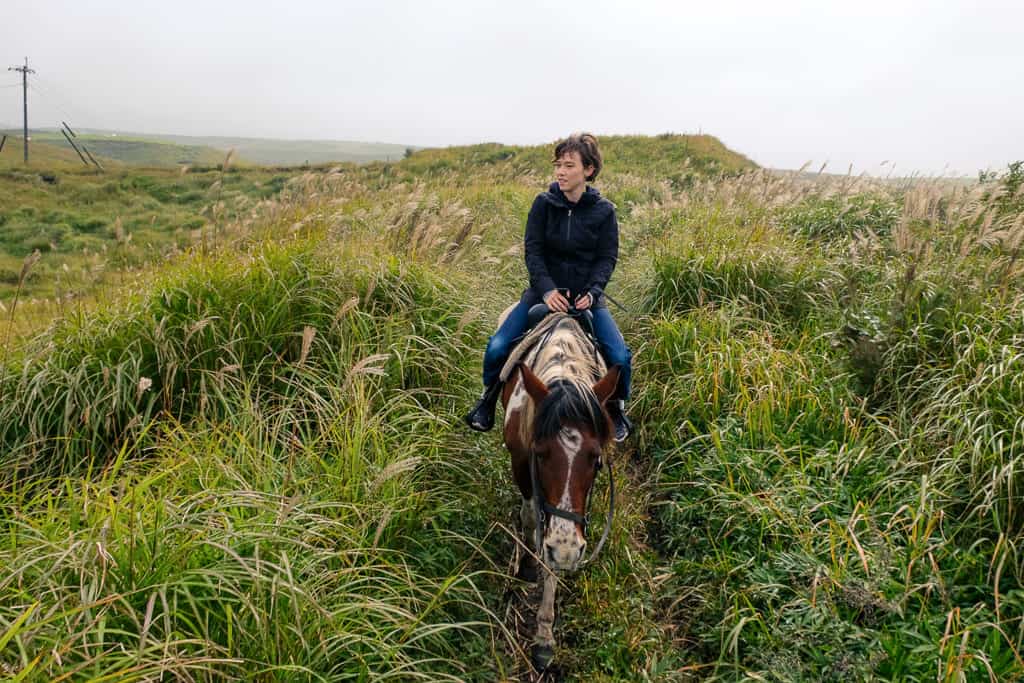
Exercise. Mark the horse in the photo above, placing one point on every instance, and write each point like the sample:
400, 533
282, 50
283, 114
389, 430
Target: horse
556, 429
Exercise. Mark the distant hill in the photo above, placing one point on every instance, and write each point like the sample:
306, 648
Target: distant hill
44, 153
274, 152
134, 150
146, 149
264, 151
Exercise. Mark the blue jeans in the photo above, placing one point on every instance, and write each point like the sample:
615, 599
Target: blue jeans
613, 346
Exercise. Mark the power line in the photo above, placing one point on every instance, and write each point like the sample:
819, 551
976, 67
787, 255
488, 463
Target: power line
39, 92
50, 90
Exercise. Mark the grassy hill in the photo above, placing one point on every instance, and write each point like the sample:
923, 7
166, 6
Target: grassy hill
251, 458
275, 152
137, 151
44, 154
143, 149
90, 227
270, 151
669, 157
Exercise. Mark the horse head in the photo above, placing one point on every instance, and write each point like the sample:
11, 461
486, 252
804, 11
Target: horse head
570, 431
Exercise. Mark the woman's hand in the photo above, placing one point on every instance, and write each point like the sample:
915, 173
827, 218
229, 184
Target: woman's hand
583, 302
556, 302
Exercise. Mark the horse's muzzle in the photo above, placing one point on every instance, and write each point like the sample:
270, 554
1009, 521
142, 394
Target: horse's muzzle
563, 556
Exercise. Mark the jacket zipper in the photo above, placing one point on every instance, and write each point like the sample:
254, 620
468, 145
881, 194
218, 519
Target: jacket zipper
568, 227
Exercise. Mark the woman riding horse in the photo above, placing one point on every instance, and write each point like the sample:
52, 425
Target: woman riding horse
571, 244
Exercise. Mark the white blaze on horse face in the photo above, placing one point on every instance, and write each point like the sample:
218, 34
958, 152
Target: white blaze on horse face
563, 540
571, 440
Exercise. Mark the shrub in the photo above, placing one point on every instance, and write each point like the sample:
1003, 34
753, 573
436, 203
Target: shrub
774, 285
77, 400
1010, 195
842, 216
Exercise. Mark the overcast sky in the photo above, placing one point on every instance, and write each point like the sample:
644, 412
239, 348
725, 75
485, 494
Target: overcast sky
931, 87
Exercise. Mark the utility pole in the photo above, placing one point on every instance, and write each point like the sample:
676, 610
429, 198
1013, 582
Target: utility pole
25, 71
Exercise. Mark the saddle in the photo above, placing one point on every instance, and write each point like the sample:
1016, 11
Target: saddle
539, 323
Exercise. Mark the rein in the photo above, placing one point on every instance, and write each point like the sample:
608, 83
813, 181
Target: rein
608, 296
542, 508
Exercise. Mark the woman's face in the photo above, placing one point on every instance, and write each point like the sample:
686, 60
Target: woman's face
570, 172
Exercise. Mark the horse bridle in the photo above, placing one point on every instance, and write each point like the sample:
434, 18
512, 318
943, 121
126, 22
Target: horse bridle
542, 508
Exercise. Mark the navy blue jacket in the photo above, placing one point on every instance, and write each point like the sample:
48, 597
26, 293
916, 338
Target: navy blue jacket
570, 245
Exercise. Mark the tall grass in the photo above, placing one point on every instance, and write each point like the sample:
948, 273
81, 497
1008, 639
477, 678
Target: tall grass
838, 434
264, 432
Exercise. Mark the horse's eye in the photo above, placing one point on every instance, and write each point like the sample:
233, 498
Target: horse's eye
596, 459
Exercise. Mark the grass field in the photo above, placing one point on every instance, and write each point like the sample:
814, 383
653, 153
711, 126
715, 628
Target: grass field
248, 461
138, 151
276, 152
43, 155
47, 146
86, 225
152, 149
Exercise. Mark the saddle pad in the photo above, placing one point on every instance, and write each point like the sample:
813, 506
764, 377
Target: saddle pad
532, 337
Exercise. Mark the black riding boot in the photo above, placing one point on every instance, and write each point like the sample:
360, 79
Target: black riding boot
481, 417
623, 425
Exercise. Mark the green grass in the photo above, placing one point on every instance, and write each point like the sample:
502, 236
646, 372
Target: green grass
828, 527
249, 462
89, 226
263, 510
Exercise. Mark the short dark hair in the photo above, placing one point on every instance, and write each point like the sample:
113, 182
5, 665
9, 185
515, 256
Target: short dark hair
586, 145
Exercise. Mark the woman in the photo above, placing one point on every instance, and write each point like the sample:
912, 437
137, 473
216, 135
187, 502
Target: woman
572, 244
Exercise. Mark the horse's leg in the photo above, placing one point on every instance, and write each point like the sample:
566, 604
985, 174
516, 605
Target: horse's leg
543, 650
544, 642
528, 518
528, 523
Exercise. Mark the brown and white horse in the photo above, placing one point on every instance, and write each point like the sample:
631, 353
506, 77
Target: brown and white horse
556, 430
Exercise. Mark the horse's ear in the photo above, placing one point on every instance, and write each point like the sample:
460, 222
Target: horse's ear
534, 386
604, 388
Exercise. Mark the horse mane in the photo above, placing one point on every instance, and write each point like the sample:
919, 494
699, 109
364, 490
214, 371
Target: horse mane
570, 404
569, 364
